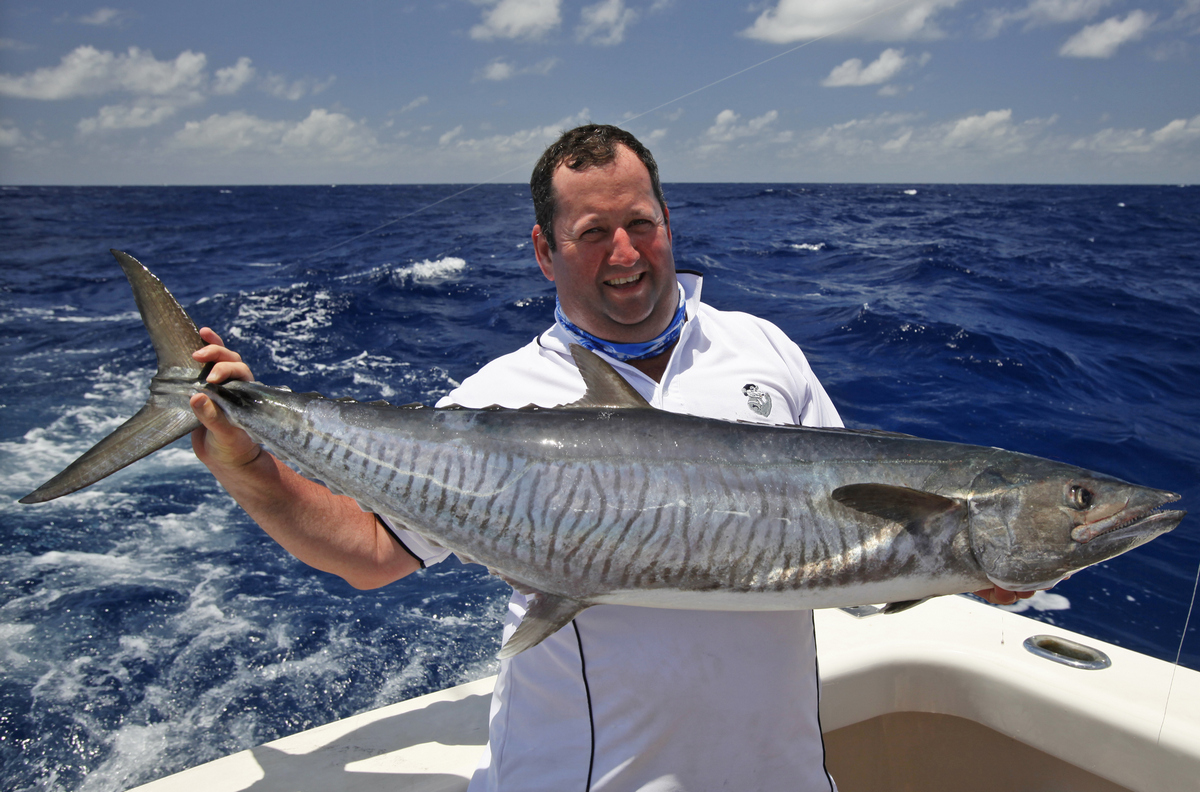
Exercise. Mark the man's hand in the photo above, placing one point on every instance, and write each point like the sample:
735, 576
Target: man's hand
1001, 596
218, 443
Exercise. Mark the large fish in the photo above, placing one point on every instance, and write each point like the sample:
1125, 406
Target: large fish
608, 500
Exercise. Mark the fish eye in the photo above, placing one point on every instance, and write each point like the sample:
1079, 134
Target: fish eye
1080, 497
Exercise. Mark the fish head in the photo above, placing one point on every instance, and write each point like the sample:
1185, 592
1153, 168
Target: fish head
1033, 524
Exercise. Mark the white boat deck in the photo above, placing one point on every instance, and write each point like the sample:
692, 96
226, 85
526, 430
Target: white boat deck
941, 697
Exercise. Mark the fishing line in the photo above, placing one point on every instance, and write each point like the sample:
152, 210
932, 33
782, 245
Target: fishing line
1178, 655
668, 103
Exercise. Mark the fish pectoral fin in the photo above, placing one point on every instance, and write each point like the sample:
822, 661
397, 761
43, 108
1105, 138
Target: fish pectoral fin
910, 507
605, 387
547, 615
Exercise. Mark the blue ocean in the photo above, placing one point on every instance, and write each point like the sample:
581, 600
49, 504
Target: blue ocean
146, 625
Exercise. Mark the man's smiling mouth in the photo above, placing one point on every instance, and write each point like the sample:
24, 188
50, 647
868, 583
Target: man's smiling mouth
624, 281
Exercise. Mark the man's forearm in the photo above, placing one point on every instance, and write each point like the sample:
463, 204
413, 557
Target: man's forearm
326, 531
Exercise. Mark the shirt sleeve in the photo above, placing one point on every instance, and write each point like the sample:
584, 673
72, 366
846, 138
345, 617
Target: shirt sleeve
417, 546
814, 407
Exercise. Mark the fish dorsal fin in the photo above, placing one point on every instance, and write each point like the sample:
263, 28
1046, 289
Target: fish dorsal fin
605, 387
911, 507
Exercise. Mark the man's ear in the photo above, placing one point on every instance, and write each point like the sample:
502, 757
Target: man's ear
541, 250
667, 220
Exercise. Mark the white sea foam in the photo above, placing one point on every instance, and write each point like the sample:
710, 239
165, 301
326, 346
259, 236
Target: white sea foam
13, 638
809, 246
63, 313
431, 271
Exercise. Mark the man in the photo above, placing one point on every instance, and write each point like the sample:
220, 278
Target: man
621, 698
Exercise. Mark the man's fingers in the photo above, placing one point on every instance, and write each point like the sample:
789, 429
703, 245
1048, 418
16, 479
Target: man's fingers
1002, 596
219, 442
212, 418
230, 370
214, 353
227, 364
210, 335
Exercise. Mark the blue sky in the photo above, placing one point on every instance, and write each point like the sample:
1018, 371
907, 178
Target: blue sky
467, 91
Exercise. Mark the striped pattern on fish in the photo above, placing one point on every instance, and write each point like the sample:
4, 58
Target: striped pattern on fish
634, 500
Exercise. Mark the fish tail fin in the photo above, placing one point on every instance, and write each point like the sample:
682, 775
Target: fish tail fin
166, 415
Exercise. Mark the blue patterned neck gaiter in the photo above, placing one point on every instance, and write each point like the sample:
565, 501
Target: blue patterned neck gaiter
626, 352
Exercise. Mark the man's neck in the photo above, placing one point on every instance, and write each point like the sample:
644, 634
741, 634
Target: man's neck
654, 367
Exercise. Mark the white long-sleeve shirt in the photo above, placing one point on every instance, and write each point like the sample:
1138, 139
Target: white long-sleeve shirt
629, 698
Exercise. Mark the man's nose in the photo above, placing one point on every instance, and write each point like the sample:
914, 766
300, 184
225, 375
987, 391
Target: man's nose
623, 252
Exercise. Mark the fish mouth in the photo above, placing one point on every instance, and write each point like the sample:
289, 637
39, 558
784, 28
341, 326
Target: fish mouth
1151, 520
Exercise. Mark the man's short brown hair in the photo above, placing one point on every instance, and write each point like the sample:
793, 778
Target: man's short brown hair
587, 146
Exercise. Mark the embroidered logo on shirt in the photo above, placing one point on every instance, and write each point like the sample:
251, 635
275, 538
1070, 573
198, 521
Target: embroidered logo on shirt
758, 399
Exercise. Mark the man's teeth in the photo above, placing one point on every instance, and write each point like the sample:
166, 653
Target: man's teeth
623, 281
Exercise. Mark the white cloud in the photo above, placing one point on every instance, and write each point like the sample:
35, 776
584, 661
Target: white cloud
415, 103
87, 71
858, 137
980, 130
128, 117
1181, 131
987, 146
604, 23
853, 73
898, 143
231, 79
890, 138
524, 142
1046, 12
518, 19
876, 20
1189, 8
230, 132
333, 134
499, 69
1059, 11
277, 85
726, 128
103, 17
1102, 40
322, 134
1165, 51
160, 87
10, 136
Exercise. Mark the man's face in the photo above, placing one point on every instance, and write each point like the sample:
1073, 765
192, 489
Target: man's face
613, 267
